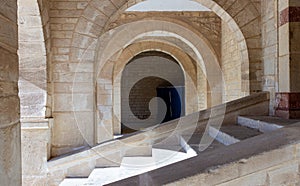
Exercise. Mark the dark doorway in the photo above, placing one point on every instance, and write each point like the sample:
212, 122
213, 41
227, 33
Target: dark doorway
147, 76
174, 99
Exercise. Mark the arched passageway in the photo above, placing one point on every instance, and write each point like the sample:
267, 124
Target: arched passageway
152, 91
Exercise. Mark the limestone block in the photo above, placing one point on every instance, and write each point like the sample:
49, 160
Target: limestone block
247, 15
95, 16
258, 178
283, 4
10, 139
82, 5
35, 142
8, 66
216, 176
63, 50
62, 34
37, 77
73, 102
60, 58
83, 55
88, 28
72, 77
33, 104
61, 42
138, 150
236, 7
64, 5
81, 170
9, 10
269, 25
118, 3
104, 99
68, 26
267, 160
8, 89
83, 41
55, 26
284, 42
10, 158
64, 20
55, 177
252, 29
66, 13
269, 65
9, 109
104, 130
32, 48
287, 174
29, 20
284, 71
73, 87
32, 61
31, 34
269, 9
109, 160
104, 6
35, 181
72, 129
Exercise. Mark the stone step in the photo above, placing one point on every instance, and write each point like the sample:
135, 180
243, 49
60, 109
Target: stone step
264, 123
200, 144
130, 166
73, 182
172, 142
231, 134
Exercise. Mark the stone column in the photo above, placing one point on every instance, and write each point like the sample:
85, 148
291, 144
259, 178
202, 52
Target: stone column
10, 148
288, 98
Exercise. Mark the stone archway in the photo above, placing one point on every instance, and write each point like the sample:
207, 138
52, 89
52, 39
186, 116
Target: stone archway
243, 17
95, 15
111, 73
145, 78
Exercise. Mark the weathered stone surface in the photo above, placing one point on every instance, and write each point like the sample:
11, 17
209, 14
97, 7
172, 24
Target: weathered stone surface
10, 138
288, 105
60, 34
10, 153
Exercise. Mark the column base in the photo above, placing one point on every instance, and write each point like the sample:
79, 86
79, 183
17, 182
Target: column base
288, 105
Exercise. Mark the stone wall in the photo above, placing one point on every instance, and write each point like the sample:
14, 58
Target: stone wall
277, 167
208, 24
231, 65
75, 27
270, 48
72, 84
10, 138
33, 67
72, 67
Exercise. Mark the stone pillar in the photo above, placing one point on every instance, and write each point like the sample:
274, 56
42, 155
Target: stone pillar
32, 59
10, 138
288, 98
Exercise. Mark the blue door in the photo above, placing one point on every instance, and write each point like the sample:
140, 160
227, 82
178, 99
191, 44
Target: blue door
174, 99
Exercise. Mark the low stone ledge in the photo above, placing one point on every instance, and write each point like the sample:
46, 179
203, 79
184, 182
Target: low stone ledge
267, 151
188, 123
